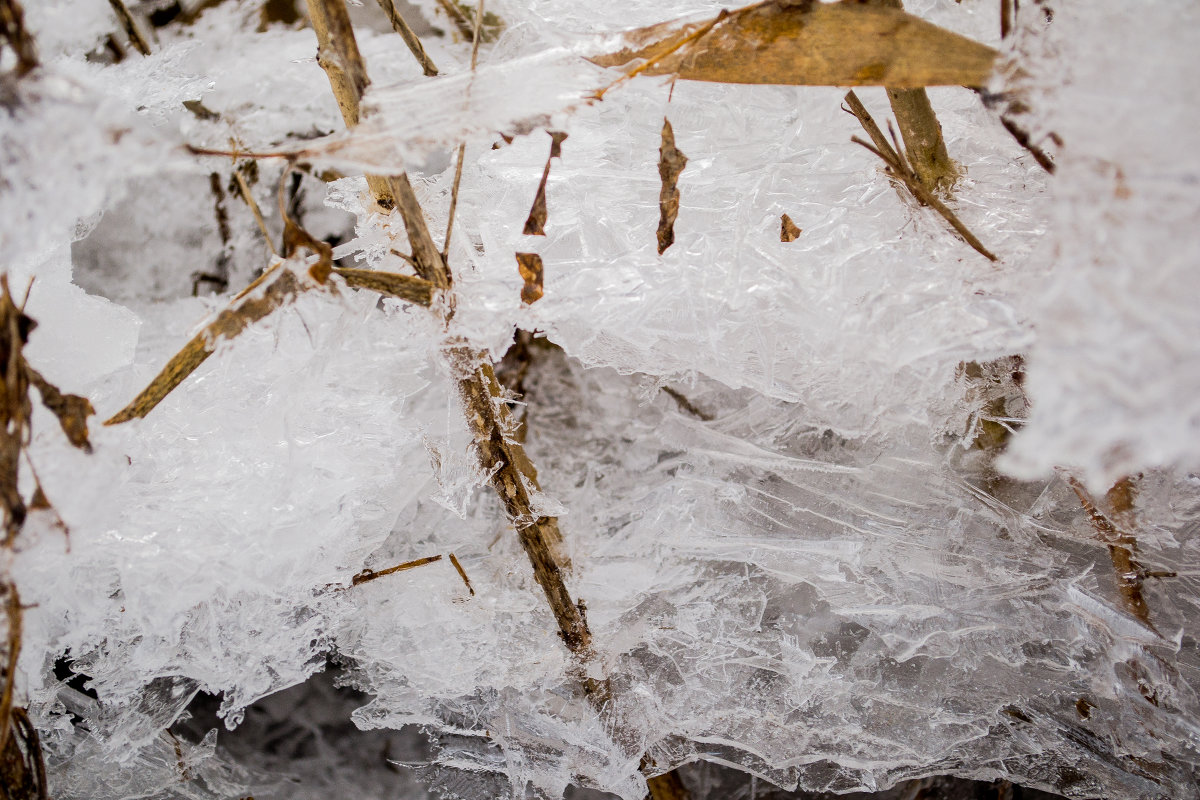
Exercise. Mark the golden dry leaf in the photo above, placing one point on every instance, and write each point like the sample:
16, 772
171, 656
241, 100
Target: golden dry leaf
788, 231
671, 162
806, 43
535, 225
530, 265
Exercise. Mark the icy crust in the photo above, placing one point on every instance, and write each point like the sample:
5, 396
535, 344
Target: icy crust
826, 584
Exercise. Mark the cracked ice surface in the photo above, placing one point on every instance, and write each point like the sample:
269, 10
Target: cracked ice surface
823, 582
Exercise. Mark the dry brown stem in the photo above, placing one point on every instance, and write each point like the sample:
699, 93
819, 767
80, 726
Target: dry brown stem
279, 287
12, 32
370, 575
897, 167
392, 284
130, 26
1122, 545
409, 36
920, 130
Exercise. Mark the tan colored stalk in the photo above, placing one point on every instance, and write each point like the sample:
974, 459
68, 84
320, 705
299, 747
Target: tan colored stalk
338, 55
514, 478
898, 168
921, 131
409, 36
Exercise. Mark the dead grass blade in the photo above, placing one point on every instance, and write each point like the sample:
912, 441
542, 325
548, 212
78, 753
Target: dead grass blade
671, 162
392, 284
808, 43
535, 224
898, 168
532, 272
274, 289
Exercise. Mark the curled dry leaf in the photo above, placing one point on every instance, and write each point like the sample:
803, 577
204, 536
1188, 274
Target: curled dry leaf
788, 231
535, 225
671, 162
71, 409
532, 272
807, 43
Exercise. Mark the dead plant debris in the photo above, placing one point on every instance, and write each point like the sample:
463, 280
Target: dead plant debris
535, 224
788, 230
803, 42
671, 162
898, 168
532, 272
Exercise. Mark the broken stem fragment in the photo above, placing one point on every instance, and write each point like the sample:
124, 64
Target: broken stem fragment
370, 575
921, 131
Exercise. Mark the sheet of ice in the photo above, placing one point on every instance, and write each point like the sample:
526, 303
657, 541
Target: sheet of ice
819, 578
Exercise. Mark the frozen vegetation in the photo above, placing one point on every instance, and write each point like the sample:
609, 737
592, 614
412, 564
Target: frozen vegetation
845, 511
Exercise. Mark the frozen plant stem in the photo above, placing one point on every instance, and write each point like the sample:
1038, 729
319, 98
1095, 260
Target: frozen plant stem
897, 167
513, 475
409, 36
129, 25
921, 131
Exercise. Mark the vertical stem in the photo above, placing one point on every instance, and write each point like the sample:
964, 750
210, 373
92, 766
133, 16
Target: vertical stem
130, 25
338, 55
922, 133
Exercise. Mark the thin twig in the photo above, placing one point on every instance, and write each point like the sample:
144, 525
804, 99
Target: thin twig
462, 573
254, 209
409, 36
462, 146
130, 26
370, 575
1122, 545
898, 168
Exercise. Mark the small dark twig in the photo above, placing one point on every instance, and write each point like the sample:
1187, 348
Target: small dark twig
370, 575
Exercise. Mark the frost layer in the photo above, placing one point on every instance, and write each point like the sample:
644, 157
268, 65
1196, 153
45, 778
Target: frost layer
801, 560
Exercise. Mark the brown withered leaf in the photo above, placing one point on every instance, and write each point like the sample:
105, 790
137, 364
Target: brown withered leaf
532, 271
671, 162
806, 43
71, 409
280, 286
788, 231
535, 225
